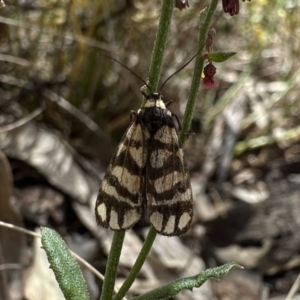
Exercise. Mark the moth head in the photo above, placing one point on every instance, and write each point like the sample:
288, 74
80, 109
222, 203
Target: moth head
155, 100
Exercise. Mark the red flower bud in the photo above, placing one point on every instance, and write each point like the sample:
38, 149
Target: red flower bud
208, 81
181, 4
210, 70
231, 6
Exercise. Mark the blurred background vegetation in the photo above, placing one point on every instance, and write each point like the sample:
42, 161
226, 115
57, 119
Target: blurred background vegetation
51, 58
57, 45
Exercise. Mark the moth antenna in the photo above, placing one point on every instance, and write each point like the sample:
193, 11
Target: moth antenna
182, 67
127, 68
167, 104
144, 93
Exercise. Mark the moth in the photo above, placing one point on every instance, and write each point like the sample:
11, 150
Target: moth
147, 173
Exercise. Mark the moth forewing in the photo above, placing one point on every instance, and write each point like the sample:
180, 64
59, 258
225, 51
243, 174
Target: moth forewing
169, 195
119, 201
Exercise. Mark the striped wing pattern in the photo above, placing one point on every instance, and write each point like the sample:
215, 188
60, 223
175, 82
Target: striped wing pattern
169, 195
119, 201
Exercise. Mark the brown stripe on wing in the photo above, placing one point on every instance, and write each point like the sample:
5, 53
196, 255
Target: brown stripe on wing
172, 219
123, 191
127, 161
164, 162
169, 195
116, 209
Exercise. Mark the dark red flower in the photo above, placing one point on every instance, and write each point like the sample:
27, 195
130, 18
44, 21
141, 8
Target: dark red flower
210, 70
181, 4
231, 6
208, 81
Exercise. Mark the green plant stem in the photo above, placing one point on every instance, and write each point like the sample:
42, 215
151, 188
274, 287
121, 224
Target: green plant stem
153, 79
154, 71
137, 265
112, 265
190, 107
173, 288
160, 44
